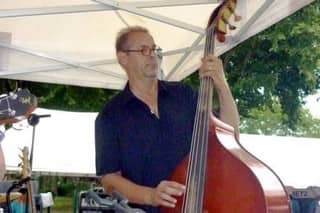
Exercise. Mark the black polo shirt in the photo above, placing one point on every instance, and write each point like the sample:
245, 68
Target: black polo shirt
131, 139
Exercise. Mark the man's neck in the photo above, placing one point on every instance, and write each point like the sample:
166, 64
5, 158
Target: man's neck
147, 92
147, 88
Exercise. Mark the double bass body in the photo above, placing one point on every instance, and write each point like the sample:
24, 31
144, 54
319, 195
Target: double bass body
236, 182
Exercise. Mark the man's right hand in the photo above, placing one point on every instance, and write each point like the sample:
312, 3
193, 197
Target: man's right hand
163, 194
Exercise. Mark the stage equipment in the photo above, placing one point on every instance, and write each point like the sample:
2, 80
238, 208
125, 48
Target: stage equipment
13, 108
33, 121
97, 200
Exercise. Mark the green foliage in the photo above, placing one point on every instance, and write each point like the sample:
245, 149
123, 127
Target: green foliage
269, 121
281, 63
64, 186
62, 204
63, 97
272, 72
71, 98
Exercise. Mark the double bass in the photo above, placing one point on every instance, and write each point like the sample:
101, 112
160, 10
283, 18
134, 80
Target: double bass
219, 174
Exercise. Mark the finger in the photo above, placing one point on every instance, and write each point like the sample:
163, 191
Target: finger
176, 185
210, 58
167, 197
174, 191
206, 72
167, 200
167, 204
211, 68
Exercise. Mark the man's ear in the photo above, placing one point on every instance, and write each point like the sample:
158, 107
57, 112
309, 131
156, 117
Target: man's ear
122, 58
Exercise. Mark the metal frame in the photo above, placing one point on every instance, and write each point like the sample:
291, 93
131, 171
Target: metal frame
252, 19
103, 6
95, 8
173, 22
57, 59
134, 8
151, 15
184, 56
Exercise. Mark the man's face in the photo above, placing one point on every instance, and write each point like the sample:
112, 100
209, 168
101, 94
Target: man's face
137, 64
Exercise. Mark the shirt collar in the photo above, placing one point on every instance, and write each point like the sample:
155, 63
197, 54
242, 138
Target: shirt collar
128, 95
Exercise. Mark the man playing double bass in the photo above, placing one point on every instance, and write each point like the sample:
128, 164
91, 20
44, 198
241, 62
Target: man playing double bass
145, 130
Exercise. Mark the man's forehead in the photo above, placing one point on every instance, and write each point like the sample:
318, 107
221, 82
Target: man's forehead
141, 39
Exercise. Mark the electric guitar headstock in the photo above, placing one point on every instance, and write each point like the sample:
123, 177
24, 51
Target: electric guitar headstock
16, 106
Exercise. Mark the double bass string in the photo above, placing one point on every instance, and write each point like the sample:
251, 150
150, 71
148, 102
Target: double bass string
191, 194
204, 113
193, 200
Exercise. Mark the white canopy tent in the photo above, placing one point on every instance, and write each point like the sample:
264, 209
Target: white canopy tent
64, 146
72, 42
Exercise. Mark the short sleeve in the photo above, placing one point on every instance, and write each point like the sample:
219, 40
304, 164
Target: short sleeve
106, 145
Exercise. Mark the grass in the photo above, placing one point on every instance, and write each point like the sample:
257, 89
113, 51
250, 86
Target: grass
62, 205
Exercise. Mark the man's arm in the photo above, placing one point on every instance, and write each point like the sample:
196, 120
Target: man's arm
212, 67
228, 109
162, 195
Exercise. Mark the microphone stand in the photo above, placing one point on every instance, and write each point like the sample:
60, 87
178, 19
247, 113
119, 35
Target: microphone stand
33, 120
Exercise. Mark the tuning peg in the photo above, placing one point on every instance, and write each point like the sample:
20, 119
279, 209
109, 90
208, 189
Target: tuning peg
232, 27
237, 18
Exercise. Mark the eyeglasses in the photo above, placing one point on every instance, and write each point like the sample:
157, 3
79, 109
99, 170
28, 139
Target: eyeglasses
146, 50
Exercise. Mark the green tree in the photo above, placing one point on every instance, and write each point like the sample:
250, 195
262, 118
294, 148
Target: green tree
272, 72
267, 121
282, 63
63, 97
